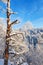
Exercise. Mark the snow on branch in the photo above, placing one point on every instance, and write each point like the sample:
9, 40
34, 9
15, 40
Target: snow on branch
19, 47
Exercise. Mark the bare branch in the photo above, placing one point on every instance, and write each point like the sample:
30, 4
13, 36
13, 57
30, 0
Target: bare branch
13, 13
14, 22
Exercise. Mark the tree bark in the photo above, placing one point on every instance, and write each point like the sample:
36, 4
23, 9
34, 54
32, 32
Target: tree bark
6, 54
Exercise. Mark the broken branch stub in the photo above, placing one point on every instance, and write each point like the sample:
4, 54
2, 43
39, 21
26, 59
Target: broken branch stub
14, 22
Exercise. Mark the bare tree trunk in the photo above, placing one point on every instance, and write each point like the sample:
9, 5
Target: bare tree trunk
6, 55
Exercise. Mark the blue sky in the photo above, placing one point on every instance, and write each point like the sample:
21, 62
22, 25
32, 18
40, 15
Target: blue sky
28, 10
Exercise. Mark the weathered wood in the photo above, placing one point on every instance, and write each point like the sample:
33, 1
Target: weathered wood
6, 54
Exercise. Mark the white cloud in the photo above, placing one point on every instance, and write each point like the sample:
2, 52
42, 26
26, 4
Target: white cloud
5, 1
